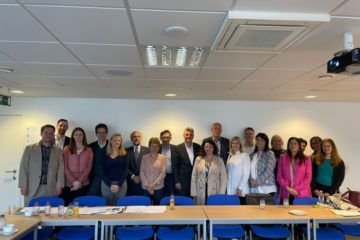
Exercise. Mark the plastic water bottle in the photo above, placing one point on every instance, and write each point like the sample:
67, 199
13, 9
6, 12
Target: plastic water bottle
172, 202
69, 210
321, 197
47, 209
36, 209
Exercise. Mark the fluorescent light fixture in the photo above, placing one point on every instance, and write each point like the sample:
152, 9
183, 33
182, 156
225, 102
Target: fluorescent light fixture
170, 95
196, 57
166, 56
310, 97
151, 55
16, 91
181, 57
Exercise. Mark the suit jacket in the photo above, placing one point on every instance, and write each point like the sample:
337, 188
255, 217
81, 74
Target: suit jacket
134, 164
30, 169
224, 150
66, 141
217, 179
182, 166
302, 176
173, 155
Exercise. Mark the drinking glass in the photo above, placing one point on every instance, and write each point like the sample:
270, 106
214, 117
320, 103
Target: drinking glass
262, 203
286, 202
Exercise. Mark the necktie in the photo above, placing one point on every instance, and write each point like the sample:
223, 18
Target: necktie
136, 153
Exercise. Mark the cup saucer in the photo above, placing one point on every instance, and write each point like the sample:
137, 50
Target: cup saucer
8, 233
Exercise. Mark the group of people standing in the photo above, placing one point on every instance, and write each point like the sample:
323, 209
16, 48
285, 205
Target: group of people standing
70, 167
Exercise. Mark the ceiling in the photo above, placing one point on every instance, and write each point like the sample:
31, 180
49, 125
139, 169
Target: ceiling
63, 48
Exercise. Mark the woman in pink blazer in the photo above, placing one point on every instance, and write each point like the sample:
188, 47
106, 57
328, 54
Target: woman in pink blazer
294, 172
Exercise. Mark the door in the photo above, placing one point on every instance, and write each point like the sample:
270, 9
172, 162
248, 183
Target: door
11, 149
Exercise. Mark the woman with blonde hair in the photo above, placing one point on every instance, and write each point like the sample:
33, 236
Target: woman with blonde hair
328, 169
238, 170
114, 170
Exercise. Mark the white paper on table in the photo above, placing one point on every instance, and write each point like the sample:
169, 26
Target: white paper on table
345, 213
53, 210
145, 209
101, 210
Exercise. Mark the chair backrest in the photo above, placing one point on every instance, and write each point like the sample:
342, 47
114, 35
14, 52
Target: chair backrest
91, 201
305, 201
179, 200
134, 201
223, 199
54, 201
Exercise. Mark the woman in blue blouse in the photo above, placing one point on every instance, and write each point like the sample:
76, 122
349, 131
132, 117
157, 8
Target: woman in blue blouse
114, 170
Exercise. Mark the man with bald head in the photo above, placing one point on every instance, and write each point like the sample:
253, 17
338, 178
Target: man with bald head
221, 142
134, 154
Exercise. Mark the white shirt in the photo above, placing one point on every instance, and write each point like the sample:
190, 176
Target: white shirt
238, 169
59, 142
190, 152
167, 152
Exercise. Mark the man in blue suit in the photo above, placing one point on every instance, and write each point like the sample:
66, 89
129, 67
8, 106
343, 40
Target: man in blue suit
221, 142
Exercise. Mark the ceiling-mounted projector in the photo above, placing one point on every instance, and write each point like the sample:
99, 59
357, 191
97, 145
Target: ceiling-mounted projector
347, 60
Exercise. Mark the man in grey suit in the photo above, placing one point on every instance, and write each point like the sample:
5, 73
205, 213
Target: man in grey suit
183, 164
42, 168
221, 142
134, 154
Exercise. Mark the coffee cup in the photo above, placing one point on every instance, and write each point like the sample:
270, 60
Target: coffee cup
9, 228
28, 213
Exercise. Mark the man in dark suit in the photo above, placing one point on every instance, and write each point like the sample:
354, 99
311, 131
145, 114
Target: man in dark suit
169, 151
221, 142
183, 164
61, 140
134, 154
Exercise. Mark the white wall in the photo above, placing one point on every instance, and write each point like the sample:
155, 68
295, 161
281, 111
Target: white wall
339, 121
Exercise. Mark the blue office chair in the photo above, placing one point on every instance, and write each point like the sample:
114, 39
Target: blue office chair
43, 233
349, 229
91, 201
82, 233
270, 231
134, 232
223, 230
321, 233
176, 232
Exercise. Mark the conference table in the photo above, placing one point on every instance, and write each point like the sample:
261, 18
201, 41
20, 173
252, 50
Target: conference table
22, 224
181, 215
253, 214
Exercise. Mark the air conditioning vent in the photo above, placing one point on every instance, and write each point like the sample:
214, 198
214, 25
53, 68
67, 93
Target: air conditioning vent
262, 32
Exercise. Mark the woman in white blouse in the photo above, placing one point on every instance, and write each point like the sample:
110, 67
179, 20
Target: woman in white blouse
238, 169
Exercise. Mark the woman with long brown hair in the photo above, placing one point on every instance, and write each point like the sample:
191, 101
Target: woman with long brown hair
328, 169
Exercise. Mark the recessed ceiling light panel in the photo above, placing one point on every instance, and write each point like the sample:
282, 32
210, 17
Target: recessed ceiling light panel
310, 97
170, 95
16, 91
7, 70
176, 31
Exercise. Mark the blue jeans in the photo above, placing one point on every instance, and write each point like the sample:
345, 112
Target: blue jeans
158, 194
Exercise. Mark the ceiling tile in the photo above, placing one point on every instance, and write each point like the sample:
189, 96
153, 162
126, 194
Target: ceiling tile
249, 85
342, 85
83, 25
137, 73
350, 8
304, 6
214, 85
198, 5
106, 54
275, 75
202, 27
171, 73
61, 70
5, 58
8, 2
96, 3
173, 84
26, 81
17, 25
38, 52
223, 73
236, 59
124, 83
77, 82
20, 70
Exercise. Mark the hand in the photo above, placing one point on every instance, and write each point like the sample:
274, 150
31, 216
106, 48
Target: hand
326, 195
253, 183
238, 192
292, 191
24, 191
136, 179
178, 186
114, 188
317, 192
76, 185
58, 191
